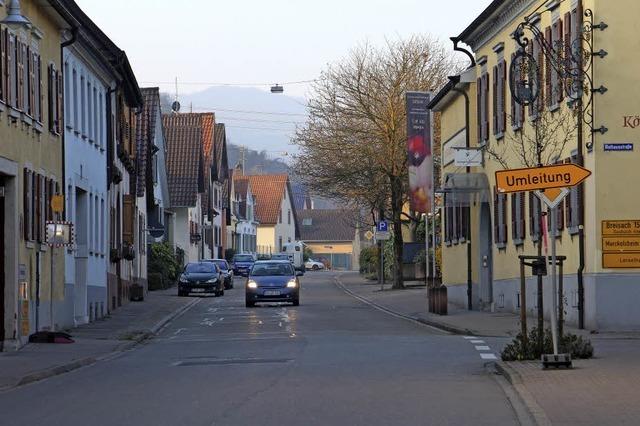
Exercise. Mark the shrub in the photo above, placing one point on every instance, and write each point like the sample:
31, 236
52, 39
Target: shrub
156, 281
577, 346
162, 261
369, 261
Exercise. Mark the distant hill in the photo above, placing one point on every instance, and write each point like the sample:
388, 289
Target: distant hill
254, 118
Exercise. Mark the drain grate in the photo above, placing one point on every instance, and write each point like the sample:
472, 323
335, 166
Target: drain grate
233, 361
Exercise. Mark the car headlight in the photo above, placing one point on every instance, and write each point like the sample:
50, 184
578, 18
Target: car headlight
183, 279
292, 284
252, 284
212, 281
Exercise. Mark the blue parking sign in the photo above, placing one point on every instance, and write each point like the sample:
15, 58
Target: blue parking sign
383, 226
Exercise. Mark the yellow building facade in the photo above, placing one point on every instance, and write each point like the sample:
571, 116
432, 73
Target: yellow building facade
478, 110
31, 170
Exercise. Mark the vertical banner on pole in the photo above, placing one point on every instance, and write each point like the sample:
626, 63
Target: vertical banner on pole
419, 150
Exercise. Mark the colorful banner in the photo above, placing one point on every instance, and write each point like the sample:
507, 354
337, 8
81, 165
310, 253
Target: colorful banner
420, 160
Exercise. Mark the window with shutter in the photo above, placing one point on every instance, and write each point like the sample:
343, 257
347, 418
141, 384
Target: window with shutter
534, 216
38, 206
522, 219
495, 109
27, 219
50, 98
12, 83
128, 218
59, 103
479, 109
559, 46
486, 107
548, 75
503, 96
514, 217
3, 66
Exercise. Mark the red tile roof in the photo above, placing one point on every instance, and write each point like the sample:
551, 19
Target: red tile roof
269, 191
183, 133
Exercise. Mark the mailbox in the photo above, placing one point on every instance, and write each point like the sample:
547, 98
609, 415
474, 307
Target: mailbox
539, 267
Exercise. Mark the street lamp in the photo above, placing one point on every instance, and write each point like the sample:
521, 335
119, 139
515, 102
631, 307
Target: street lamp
14, 15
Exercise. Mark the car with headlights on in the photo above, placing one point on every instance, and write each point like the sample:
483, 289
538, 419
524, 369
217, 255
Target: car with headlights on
201, 278
225, 269
272, 281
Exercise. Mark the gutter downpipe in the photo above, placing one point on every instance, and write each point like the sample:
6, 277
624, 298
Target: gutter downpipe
455, 80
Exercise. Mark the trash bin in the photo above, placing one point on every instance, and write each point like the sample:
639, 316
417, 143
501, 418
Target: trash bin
136, 293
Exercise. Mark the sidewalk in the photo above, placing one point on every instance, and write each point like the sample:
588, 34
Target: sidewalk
121, 331
602, 390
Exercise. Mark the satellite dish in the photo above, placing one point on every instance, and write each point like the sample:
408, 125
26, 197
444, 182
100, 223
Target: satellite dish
277, 89
175, 106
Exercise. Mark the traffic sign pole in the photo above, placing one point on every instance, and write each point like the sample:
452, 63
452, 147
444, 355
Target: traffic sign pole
554, 291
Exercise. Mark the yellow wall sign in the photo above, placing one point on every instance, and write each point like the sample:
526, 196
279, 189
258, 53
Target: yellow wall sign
620, 227
620, 260
539, 178
57, 203
620, 244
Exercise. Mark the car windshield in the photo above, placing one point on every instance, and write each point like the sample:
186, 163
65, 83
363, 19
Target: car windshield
246, 258
222, 264
271, 270
200, 268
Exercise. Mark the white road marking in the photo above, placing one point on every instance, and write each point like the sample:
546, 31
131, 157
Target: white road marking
476, 342
469, 337
483, 348
488, 356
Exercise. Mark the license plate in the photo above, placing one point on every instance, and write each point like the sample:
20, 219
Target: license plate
272, 292
197, 290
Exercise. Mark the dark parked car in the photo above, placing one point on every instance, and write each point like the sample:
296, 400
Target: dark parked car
272, 281
242, 264
201, 278
227, 272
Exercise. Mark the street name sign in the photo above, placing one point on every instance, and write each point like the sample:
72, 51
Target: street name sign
540, 178
620, 244
383, 235
465, 157
613, 147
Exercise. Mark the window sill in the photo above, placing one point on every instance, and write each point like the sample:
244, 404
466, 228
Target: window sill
76, 132
26, 119
14, 113
501, 246
499, 136
574, 230
447, 243
516, 128
554, 107
37, 126
30, 245
518, 242
2, 106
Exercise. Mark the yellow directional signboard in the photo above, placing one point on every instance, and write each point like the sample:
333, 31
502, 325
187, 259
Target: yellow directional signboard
620, 244
620, 260
540, 178
612, 228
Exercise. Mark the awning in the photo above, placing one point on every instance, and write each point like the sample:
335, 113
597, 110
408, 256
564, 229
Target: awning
465, 189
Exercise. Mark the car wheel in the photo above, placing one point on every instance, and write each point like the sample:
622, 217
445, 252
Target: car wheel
182, 293
221, 293
315, 267
296, 302
250, 304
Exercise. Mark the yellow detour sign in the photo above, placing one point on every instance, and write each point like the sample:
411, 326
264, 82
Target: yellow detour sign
620, 244
540, 178
57, 203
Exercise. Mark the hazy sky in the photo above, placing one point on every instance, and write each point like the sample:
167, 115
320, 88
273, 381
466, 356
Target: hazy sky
258, 41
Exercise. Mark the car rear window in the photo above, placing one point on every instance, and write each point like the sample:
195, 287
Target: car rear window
222, 264
200, 268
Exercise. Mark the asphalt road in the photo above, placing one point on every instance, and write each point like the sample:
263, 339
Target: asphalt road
331, 361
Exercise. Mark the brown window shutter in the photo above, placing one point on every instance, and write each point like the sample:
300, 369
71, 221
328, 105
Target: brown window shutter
512, 100
514, 221
494, 97
523, 215
486, 107
505, 237
3, 66
503, 93
496, 215
57, 192
40, 117
548, 89
37, 206
559, 46
128, 218
479, 108
59, 102
50, 95
26, 221
531, 52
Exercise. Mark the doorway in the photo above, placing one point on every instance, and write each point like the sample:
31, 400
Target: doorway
81, 257
485, 246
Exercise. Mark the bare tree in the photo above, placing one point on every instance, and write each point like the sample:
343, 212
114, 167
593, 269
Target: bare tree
353, 146
538, 144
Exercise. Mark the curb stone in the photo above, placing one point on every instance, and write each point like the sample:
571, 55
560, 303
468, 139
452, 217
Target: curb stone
528, 400
424, 321
85, 362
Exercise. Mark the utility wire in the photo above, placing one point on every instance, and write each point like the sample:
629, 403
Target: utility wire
194, 83
215, 109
